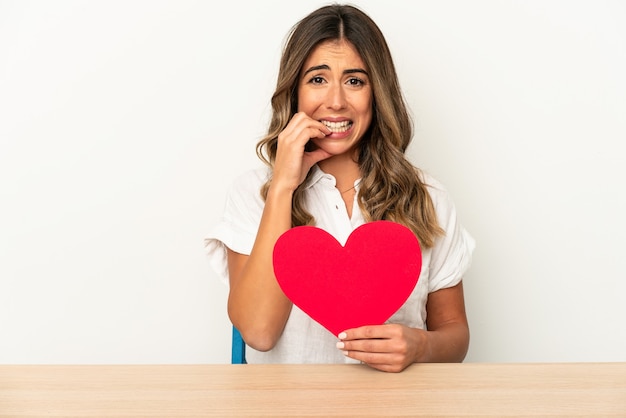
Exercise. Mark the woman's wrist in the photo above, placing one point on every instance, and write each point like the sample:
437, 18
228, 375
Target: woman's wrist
445, 345
424, 351
280, 190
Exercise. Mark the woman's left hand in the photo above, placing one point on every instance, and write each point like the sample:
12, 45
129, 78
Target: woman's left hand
389, 347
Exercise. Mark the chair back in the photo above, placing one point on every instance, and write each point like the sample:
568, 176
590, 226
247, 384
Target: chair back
238, 345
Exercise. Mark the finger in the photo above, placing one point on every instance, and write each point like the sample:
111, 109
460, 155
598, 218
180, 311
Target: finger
388, 362
371, 345
303, 119
313, 157
384, 362
389, 368
367, 332
302, 128
369, 358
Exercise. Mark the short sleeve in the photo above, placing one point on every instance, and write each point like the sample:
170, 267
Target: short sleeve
451, 255
239, 223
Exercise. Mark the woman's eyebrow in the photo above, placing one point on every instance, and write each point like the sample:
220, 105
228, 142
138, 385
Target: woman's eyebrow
326, 67
355, 70
316, 68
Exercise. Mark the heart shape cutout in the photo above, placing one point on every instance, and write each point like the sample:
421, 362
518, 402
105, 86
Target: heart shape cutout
361, 283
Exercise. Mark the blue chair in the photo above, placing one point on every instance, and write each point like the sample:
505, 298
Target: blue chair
238, 346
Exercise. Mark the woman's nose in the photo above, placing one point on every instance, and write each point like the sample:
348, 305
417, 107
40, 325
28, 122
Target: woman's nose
336, 98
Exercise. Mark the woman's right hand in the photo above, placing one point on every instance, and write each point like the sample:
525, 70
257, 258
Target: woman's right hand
293, 162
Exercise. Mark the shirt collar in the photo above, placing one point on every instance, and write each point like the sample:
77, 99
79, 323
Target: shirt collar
325, 179
318, 176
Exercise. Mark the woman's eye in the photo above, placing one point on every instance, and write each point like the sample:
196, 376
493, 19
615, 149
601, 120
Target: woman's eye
356, 81
316, 80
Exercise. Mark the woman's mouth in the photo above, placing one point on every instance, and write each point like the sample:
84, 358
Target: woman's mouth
338, 127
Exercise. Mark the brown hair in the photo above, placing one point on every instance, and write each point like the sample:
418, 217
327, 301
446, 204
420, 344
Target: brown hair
390, 188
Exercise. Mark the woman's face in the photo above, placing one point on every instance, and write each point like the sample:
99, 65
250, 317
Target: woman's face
334, 88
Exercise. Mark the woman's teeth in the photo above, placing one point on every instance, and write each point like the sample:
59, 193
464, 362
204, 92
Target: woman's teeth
337, 126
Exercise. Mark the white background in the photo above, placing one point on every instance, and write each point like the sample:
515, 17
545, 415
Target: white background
122, 123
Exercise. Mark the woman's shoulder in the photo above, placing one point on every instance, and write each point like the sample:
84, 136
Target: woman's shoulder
439, 194
244, 193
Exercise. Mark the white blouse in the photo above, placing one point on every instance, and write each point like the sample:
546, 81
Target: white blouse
303, 339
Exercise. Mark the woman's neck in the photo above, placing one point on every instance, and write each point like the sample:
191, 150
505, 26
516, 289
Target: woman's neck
344, 168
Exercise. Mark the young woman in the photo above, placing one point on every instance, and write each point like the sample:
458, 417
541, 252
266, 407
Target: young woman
334, 155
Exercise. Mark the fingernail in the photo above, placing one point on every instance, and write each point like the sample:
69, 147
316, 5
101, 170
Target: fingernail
345, 353
342, 335
340, 345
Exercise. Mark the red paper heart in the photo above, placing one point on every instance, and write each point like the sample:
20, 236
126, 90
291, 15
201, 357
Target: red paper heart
362, 283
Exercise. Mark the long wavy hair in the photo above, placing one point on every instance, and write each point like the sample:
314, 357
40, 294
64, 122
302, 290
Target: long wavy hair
391, 187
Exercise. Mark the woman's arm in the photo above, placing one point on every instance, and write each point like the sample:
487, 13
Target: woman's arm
448, 330
257, 306
393, 347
